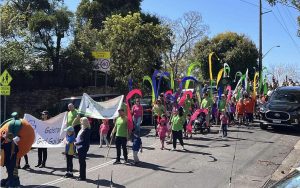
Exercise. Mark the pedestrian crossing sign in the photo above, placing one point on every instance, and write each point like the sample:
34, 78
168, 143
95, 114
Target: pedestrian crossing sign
5, 78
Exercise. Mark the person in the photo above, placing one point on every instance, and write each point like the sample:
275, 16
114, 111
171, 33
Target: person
177, 126
158, 110
42, 152
136, 147
207, 103
70, 150
162, 130
73, 118
137, 112
103, 130
188, 131
249, 104
26, 166
204, 89
121, 130
187, 107
82, 145
224, 122
240, 110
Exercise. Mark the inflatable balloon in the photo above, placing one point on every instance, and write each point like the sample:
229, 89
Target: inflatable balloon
26, 134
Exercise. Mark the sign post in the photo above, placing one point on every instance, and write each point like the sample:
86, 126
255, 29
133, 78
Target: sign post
102, 63
5, 80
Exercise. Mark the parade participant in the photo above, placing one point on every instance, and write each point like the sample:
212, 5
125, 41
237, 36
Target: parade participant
26, 166
158, 109
121, 130
162, 130
207, 103
221, 105
177, 126
137, 113
136, 147
224, 122
187, 105
82, 145
73, 118
249, 109
240, 110
70, 150
187, 131
42, 152
103, 131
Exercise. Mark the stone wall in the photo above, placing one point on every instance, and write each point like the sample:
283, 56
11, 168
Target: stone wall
33, 102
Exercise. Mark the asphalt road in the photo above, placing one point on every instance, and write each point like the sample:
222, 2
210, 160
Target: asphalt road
207, 162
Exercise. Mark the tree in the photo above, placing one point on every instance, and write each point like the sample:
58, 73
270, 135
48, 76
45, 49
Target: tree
238, 51
136, 47
39, 26
186, 31
96, 11
283, 72
290, 3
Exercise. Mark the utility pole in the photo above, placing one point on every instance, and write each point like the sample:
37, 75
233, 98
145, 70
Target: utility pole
260, 45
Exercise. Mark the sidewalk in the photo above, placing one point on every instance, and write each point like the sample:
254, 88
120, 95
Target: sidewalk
291, 162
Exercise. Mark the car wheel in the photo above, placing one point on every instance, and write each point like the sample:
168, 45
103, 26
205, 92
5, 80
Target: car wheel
263, 126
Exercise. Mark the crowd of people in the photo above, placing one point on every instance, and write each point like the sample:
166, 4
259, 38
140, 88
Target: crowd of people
174, 120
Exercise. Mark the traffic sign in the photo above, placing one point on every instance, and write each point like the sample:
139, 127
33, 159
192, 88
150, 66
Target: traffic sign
4, 90
5, 78
102, 65
101, 55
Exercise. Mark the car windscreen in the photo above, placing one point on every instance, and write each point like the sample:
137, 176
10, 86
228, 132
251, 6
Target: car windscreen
286, 96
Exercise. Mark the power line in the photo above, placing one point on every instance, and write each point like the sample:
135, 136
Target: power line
255, 5
293, 21
286, 30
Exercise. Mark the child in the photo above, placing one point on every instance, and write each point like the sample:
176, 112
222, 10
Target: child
103, 130
136, 146
188, 128
70, 150
162, 129
224, 122
240, 110
214, 112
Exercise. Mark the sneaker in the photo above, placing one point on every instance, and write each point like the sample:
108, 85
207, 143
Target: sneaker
67, 175
26, 166
182, 148
173, 149
38, 165
100, 146
42, 166
116, 162
71, 175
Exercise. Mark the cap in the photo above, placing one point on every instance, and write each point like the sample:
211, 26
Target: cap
45, 112
70, 128
14, 114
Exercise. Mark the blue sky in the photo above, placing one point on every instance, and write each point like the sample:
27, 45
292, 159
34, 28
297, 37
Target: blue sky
241, 16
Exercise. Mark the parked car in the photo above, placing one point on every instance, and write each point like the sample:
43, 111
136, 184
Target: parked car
282, 109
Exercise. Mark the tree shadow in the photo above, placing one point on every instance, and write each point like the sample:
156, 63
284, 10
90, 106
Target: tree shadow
239, 130
104, 183
213, 159
223, 146
193, 152
49, 186
196, 145
148, 148
159, 168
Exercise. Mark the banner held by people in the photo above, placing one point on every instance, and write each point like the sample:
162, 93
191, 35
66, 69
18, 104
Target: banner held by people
100, 110
49, 133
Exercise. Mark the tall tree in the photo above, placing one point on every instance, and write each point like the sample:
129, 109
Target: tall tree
96, 11
186, 31
237, 50
38, 25
136, 46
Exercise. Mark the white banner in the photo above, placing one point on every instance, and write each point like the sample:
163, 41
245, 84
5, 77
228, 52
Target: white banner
100, 110
49, 133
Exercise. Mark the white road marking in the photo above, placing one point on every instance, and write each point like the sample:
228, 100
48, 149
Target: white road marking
59, 180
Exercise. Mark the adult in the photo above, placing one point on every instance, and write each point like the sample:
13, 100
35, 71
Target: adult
73, 118
207, 103
158, 110
42, 152
83, 144
177, 123
121, 130
204, 89
137, 112
26, 166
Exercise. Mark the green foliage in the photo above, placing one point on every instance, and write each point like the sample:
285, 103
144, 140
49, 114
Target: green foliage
136, 47
237, 50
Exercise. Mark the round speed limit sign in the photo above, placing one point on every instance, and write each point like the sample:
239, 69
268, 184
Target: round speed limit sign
104, 64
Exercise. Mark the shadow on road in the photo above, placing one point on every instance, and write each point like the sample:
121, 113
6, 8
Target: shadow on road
196, 145
159, 168
49, 186
92, 155
103, 183
193, 152
285, 130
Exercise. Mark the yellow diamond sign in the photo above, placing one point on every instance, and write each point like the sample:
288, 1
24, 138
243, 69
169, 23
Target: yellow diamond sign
5, 78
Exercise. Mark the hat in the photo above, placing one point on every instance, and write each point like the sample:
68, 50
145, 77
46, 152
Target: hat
14, 115
121, 109
45, 112
70, 128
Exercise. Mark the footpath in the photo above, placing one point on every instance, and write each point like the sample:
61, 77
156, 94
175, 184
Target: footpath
290, 163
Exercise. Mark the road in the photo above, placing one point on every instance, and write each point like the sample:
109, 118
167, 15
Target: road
207, 162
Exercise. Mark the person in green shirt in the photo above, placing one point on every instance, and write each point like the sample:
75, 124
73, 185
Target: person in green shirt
187, 105
121, 130
207, 103
73, 118
177, 123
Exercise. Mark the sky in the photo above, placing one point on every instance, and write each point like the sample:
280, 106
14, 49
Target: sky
241, 16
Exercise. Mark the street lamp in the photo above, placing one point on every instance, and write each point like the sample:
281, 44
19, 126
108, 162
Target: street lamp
270, 50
